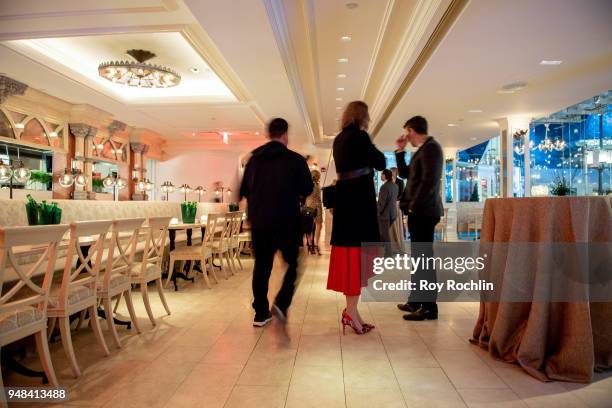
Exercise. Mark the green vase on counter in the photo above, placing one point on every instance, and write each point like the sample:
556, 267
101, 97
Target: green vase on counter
42, 213
188, 211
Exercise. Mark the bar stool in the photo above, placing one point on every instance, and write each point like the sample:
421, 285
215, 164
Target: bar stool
22, 316
202, 253
149, 269
77, 291
115, 281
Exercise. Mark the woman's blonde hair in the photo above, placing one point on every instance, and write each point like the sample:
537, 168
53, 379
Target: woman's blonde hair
356, 113
316, 175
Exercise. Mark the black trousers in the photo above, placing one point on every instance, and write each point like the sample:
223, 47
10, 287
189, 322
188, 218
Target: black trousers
266, 241
421, 230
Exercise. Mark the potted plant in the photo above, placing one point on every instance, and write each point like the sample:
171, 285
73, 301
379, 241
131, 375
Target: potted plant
43, 213
560, 186
97, 185
188, 211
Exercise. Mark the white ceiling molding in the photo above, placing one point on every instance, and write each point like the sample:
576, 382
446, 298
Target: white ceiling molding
423, 18
278, 23
310, 25
164, 6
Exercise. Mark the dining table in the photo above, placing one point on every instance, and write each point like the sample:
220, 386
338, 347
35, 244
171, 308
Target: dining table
552, 266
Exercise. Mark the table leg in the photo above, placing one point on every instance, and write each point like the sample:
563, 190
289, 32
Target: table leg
9, 361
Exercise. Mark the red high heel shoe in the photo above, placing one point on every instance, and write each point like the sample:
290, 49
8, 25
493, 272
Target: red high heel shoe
347, 320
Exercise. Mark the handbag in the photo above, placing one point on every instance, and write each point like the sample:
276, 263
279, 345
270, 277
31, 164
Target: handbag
308, 211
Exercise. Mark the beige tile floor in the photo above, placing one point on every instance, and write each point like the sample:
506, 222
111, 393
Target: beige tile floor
207, 354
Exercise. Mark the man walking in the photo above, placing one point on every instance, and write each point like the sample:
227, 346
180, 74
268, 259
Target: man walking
422, 203
387, 209
274, 180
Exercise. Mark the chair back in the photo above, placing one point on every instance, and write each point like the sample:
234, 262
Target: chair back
84, 272
211, 228
237, 223
45, 236
155, 241
122, 247
226, 221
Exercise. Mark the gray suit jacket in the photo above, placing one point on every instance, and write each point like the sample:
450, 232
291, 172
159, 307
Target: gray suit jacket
387, 199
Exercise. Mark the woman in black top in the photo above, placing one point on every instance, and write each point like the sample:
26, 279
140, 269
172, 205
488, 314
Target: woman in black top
355, 218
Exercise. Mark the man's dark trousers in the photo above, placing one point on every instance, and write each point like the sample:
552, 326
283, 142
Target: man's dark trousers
421, 228
266, 241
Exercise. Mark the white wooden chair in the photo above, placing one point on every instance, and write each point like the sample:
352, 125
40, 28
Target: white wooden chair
115, 282
149, 268
77, 290
234, 239
23, 314
221, 243
202, 253
441, 226
475, 223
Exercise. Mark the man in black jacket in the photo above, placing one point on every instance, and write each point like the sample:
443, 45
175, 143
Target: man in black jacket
422, 203
274, 180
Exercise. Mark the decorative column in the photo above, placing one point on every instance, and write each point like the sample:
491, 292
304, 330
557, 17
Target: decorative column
507, 128
10, 87
81, 131
139, 171
88, 160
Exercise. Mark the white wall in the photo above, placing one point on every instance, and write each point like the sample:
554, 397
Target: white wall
200, 168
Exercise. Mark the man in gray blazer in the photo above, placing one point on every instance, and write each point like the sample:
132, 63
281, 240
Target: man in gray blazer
387, 208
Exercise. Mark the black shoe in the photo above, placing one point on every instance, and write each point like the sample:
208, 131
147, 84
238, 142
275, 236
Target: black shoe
407, 307
280, 314
262, 319
421, 314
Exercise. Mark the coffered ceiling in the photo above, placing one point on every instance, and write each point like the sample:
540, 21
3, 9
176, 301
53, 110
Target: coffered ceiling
305, 59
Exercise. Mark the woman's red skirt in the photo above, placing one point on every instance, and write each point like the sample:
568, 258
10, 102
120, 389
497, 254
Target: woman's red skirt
345, 272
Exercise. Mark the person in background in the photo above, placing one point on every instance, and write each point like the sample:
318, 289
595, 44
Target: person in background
399, 182
314, 201
422, 203
387, 209
355, 218
274, 180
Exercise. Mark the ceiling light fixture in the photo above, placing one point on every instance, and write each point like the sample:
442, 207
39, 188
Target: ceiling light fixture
551, 62
512, 87
338, 99
343, 60
452, 125
195, 70
139, 74
340, 89
341, 75
338, 107
352, 5
345, 38
475, 111
226, 137
472, 138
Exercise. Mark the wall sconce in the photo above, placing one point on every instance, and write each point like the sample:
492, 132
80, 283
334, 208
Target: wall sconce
16, 172
167, 187
185, 188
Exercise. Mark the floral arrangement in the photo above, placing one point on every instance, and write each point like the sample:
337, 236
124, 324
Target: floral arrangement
560, 186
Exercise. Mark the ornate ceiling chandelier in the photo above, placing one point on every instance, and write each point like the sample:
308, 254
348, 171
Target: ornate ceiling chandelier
140, 73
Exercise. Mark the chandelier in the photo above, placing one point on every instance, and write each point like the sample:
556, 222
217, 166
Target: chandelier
140, 73
548, 145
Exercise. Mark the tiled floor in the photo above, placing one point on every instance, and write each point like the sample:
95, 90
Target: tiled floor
207, 354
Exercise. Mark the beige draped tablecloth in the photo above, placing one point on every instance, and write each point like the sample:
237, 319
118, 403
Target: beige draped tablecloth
564, 341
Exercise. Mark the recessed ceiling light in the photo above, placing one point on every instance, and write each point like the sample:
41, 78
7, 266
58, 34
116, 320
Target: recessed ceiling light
195, 70
475, 111
513, 87
341, 75
338, 99
337, 119
551, 62
343, 60
502, 91
345, 38
472, 138
352, 5
256, 133
339, 89
338, 107
452, 125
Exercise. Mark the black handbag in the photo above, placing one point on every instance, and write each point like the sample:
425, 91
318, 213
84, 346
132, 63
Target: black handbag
308, 212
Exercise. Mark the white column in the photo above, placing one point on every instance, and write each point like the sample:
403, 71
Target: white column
507, 127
